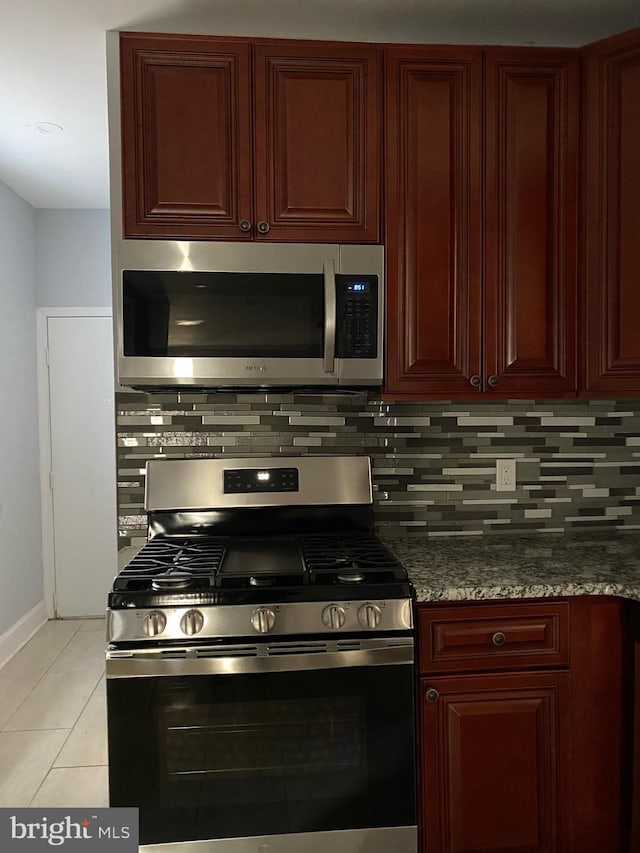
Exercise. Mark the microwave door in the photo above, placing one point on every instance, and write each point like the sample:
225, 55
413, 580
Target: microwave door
205, 328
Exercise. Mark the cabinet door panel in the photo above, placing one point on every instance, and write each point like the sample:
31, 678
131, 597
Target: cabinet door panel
433, 221
531, 232
495, 758
186, 137
318, 124
612, 210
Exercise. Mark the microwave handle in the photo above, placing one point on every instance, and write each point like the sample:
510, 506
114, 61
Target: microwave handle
329, 316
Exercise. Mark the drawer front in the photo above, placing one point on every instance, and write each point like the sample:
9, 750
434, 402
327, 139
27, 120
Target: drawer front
492, 637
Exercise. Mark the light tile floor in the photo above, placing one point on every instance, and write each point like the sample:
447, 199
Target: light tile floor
53, 719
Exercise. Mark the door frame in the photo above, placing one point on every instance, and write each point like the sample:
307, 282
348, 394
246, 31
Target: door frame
44, 440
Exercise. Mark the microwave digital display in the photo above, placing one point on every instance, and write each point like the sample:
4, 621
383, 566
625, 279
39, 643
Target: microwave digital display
358, 287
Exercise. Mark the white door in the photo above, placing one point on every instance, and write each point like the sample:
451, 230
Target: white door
83, 482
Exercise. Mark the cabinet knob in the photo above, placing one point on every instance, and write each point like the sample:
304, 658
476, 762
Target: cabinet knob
245, 225
498, 639
493, 379
263, 227
432, 695
476, 381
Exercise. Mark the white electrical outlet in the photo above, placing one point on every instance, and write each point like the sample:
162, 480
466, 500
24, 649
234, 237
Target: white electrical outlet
505, 475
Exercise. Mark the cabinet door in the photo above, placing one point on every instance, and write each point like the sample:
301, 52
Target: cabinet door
186, 137
434, 224
612, 217
495, 763
317, 142
531, 221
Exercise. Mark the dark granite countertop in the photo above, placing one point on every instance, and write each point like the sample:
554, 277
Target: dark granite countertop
469, 568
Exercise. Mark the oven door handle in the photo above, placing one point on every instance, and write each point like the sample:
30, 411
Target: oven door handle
329, 316
159, 663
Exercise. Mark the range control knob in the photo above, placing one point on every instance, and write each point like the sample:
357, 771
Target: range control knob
263, 619
192, 622
334, 616
369, 615
154, 623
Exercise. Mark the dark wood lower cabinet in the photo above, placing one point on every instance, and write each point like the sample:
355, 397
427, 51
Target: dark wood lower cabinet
495, 754
602, 723
522, 750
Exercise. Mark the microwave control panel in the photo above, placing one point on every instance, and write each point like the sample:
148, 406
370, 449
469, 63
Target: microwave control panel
357, 307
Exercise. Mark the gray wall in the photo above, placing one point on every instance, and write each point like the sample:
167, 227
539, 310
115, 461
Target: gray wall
21, 580
73, 260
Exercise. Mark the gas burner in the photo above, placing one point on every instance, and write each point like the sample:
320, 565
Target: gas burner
172, 580
350, 577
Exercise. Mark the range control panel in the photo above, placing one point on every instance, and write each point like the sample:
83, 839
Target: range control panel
249, 480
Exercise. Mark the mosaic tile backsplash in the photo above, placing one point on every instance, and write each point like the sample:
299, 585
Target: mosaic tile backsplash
578, 462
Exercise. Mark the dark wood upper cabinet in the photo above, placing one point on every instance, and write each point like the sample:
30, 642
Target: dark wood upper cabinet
531, 236
234, 140
481, 273
186, 136
434, 220
317, 135
611, 225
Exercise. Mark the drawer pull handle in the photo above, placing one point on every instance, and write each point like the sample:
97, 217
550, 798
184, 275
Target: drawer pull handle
263, 227
432, 695
498, 639
476, 381
245, 225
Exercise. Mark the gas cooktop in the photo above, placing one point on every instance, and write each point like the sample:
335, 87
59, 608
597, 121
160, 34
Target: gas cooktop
226, 569
241, 547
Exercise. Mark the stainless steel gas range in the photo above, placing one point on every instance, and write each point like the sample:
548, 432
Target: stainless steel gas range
260, 686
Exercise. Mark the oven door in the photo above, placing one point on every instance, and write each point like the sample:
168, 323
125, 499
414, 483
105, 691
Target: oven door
286, 742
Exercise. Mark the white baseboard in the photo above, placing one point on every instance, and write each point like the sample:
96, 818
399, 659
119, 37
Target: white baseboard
20, 633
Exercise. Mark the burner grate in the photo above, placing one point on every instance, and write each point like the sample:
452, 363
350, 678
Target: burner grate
348, 557
163, 557
293, 567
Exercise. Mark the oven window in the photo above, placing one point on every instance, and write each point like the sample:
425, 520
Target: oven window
218, 315
263, 738
242, 755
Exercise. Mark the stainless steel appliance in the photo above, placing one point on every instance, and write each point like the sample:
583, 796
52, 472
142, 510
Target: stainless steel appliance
248, 314
260, 684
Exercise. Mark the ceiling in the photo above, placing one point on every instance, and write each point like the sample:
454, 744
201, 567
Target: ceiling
52, 61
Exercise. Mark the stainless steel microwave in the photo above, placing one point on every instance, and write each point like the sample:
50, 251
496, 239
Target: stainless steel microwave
219, 315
